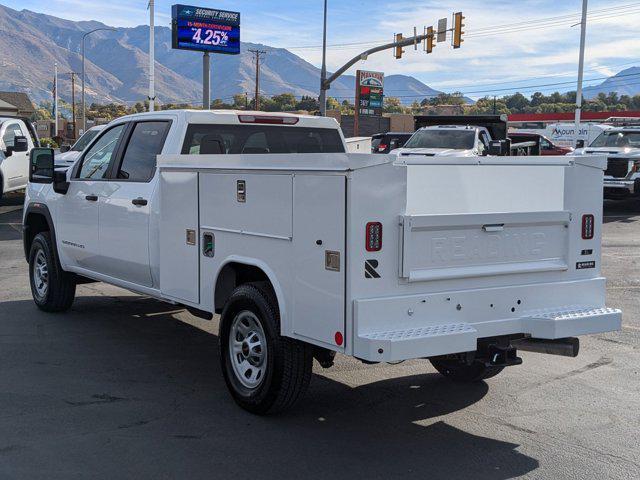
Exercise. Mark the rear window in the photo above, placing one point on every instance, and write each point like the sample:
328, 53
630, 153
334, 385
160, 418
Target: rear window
247, 139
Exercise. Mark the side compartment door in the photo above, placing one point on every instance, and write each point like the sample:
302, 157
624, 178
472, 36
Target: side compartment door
124, 213
77, 225
319, 258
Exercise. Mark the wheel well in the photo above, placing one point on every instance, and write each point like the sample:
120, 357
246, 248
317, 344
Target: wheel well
232, 275
35, 223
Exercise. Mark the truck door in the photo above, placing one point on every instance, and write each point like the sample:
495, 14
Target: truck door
77, 226
15, 167
124, 213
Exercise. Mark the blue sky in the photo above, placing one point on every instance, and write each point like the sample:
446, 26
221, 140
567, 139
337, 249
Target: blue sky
526, 45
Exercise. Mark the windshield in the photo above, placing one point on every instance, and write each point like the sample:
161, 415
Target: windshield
617, 139
84, 140
454, 139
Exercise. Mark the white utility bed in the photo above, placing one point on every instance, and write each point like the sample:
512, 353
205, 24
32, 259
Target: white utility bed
471, 247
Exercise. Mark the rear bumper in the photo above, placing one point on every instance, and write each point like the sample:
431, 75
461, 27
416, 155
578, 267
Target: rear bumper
416, 326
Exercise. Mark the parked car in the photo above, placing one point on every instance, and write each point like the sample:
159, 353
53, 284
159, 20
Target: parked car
547, 147
306, 251
385, 142
69, 155
17, 138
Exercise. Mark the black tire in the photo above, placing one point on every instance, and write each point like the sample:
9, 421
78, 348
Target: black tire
460, 371
288, 364
60, 285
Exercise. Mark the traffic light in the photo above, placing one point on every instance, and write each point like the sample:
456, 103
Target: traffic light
398, 51
457, 29
430, 41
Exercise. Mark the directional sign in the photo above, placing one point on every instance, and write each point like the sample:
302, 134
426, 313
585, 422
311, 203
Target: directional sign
205, 29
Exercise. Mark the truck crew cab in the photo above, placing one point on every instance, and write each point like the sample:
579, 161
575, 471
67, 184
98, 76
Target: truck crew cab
305, 251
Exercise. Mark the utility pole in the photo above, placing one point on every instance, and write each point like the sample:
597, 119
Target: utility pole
73, 102
152, 92
322, 100
246, 100
55, 97
583, 34
257, 54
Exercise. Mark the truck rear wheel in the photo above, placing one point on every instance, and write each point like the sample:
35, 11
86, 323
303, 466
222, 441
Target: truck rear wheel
265, 372
52, 288
460, 371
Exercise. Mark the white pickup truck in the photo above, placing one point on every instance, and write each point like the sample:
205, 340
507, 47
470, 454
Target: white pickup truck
17, 138
621, 147
305, 250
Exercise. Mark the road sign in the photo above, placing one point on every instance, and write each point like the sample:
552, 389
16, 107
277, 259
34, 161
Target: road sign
205, 29
369, 93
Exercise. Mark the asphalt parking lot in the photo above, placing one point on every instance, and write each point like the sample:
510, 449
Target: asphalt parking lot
119, 387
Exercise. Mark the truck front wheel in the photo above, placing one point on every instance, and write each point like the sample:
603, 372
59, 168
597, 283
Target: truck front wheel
460, 371
52, 288
265, 372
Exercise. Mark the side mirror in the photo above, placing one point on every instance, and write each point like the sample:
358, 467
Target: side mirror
20, 144
580, 144
65, 148
498, 148
41, 165
60, 182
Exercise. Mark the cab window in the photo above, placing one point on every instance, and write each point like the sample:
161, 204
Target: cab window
95, 163
145, 143
253, 139
13, 129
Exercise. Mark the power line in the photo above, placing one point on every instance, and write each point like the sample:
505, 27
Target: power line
595, 14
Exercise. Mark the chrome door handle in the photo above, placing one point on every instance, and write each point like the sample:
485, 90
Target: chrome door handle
91, 198
140, 202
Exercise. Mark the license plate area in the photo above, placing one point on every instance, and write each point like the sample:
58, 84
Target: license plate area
438, 247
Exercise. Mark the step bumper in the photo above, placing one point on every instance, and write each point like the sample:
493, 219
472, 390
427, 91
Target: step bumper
448, 338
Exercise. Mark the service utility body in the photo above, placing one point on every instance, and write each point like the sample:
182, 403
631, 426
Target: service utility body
305, 250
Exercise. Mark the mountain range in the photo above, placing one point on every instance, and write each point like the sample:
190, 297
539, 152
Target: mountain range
626, 82
117, 65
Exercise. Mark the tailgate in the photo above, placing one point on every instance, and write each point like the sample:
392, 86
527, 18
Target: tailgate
440, 247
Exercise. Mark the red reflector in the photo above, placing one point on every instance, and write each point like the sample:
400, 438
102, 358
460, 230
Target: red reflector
269, 119
339, 339
373, 237
588, 226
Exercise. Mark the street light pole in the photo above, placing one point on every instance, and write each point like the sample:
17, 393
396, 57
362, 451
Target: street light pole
152, 87
84, 117
322, 99
583, 33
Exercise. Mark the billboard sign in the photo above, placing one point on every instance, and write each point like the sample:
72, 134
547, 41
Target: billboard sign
205, 29
369, 93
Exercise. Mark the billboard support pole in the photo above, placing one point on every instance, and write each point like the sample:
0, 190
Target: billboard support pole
206, 81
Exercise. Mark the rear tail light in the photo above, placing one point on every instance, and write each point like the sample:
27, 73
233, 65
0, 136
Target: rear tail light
588, 226
382, 147
268, 119
373, 237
